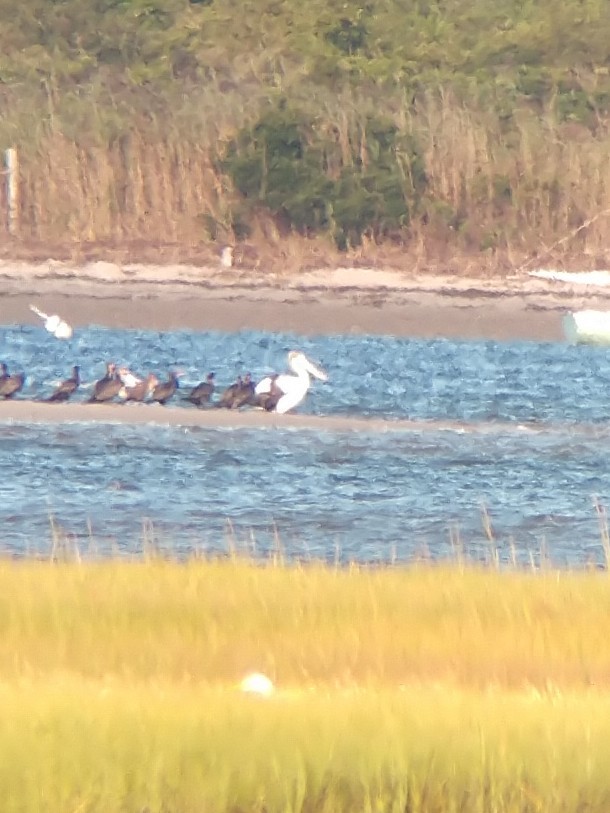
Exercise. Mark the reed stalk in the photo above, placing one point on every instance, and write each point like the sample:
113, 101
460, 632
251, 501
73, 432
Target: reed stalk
538, 188
604, 531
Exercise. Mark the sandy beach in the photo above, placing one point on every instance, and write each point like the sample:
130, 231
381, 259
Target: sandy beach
339, 301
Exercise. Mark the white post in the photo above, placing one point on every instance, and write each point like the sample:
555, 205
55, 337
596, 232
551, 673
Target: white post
11, 161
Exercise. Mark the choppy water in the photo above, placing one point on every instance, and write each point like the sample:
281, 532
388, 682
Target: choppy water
368, 497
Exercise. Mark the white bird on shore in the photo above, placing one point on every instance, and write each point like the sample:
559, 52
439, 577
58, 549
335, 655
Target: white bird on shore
129, 381
128, 378
54, 324
294, 387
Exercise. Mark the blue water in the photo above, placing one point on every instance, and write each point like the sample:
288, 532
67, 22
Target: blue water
348, 495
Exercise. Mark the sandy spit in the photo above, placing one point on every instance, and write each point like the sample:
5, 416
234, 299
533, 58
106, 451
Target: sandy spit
18, 411
22, 411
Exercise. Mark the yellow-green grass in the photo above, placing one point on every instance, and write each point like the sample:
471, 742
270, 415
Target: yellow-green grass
399, 689
213, 621
69, 745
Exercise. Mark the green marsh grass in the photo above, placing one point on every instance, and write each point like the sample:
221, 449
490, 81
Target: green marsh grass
419, 688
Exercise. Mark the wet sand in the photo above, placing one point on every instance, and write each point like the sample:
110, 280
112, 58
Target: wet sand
151, 414
24, 411
339, 301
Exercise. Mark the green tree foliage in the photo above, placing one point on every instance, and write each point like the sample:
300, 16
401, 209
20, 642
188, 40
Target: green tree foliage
406, 42
272, 165
95, 70
280, 164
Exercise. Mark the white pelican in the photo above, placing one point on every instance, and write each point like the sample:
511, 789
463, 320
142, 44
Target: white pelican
293, 387
54, 324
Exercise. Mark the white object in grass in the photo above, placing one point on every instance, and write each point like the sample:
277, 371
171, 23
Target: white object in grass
226, 257
257, 683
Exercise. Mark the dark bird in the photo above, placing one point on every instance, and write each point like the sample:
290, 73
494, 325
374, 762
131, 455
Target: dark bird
164, 391
107, 387
268, 400
10, 384
230, 394
246, 394
141, 390
66, 388
202, 393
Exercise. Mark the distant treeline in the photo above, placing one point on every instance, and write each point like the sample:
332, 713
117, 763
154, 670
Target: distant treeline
447, 126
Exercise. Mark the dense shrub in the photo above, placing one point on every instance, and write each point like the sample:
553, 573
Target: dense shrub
281, 164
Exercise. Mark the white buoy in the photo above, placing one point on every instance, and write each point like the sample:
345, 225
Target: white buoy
256, 683
54, 324
587, 327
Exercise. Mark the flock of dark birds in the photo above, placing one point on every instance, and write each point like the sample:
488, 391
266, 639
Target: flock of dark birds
122, 385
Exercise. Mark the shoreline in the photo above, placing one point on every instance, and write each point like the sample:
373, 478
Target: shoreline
338, 301
22, 410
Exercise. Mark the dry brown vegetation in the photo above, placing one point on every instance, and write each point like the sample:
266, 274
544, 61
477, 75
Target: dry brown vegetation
456, 135
495, 200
